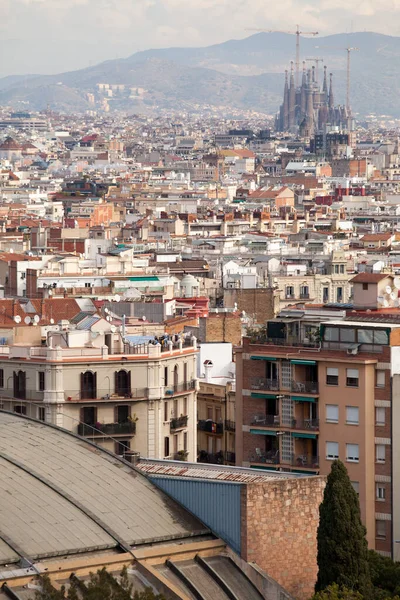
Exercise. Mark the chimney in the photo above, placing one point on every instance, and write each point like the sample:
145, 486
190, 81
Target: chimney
208, 367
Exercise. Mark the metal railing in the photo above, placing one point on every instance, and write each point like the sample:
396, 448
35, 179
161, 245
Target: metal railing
230, 425
105, 395
97, 429
305, 424
305, 387
290, 343
305, 461
181, 455
266, 420
210, 426
262, 383
179, 422
186, 386
260, 456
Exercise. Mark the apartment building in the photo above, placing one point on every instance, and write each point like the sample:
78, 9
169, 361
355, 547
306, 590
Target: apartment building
311, 392
124, 396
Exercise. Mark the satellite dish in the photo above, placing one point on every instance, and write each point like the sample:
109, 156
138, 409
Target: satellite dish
144, 318
36, 319
27, 320
51, 321
106, 310
117, 297
394, 295
388, 289
113, 329
396, 283
50, 292
108, 318
17, 319
386, 303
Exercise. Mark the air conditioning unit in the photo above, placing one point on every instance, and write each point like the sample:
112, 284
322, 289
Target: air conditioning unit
353, 349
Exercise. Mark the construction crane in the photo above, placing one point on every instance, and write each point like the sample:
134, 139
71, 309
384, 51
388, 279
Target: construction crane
297, 33
316, 61
349, 50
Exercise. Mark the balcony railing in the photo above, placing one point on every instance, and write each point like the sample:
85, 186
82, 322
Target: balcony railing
104, 395
230, 425
262, 383
305, 461
178, 423
305, 424
260, 456
266, 420
99, 429
305, 296
305, 387
210, 426
186, 386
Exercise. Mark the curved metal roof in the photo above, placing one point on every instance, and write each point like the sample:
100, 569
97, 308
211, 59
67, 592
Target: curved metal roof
61, 495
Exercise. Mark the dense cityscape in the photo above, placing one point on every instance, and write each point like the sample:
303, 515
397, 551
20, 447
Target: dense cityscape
200, 348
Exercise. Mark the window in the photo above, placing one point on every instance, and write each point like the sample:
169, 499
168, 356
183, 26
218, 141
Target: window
41, 413
332, 413
332, 450
352, 453
339, 294
41, 378
352, 377
122, 413
88, 415
380, 453
380, 529
289, 291
352, 415
185, 441
380, 379
336, 269
332, 376
380, 492
365, 286
165, 375
304, 291
356, 487
1, 378
325, 295
380, 416
165, 411
209, 413
185, 406
122, 383
342, 269
166, 447
122, 446
20, 410
348, 335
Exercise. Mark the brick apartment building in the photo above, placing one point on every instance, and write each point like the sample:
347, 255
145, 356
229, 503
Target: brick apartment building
316, 391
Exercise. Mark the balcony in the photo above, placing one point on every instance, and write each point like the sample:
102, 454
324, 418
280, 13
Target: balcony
312, 424
304, 296
230, 426
262, 383
220, 458
178, 423
305, 461
305, 387
260, 456
100, 429
179, 388
103, 395
210, 427
266, 420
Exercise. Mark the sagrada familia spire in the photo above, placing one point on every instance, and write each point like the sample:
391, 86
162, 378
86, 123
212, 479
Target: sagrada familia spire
307, 109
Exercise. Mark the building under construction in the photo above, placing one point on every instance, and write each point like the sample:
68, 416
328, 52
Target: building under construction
307, 109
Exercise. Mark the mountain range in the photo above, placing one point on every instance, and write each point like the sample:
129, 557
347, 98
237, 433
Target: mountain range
239, 74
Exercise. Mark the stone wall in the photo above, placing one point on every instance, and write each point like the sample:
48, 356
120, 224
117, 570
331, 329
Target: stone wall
279, 521
258, 303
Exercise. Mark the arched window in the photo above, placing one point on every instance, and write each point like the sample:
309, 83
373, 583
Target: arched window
123, 383
88, 385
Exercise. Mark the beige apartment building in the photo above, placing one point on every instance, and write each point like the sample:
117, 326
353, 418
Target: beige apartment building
126, 397
308, 397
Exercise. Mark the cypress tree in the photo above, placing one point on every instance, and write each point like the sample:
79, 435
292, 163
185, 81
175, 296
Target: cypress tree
342, 546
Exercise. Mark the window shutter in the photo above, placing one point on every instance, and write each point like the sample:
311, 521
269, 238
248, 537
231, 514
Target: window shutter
94, 385
115, 412
81, 413
129, 382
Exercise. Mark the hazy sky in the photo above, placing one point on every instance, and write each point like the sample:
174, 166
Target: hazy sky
50, 36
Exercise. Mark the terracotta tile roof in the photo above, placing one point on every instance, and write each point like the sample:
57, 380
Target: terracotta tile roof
376, 237
369, 277
56, 308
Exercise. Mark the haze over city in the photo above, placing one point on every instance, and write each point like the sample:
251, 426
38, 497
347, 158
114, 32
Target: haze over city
52, 36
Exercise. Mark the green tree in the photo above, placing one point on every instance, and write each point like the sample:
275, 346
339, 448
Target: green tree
334, 592
385, 575
342, 546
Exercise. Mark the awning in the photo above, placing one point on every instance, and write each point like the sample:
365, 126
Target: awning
262, 357
303, 399
308, 436
303, 362
263, 432
261, 395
